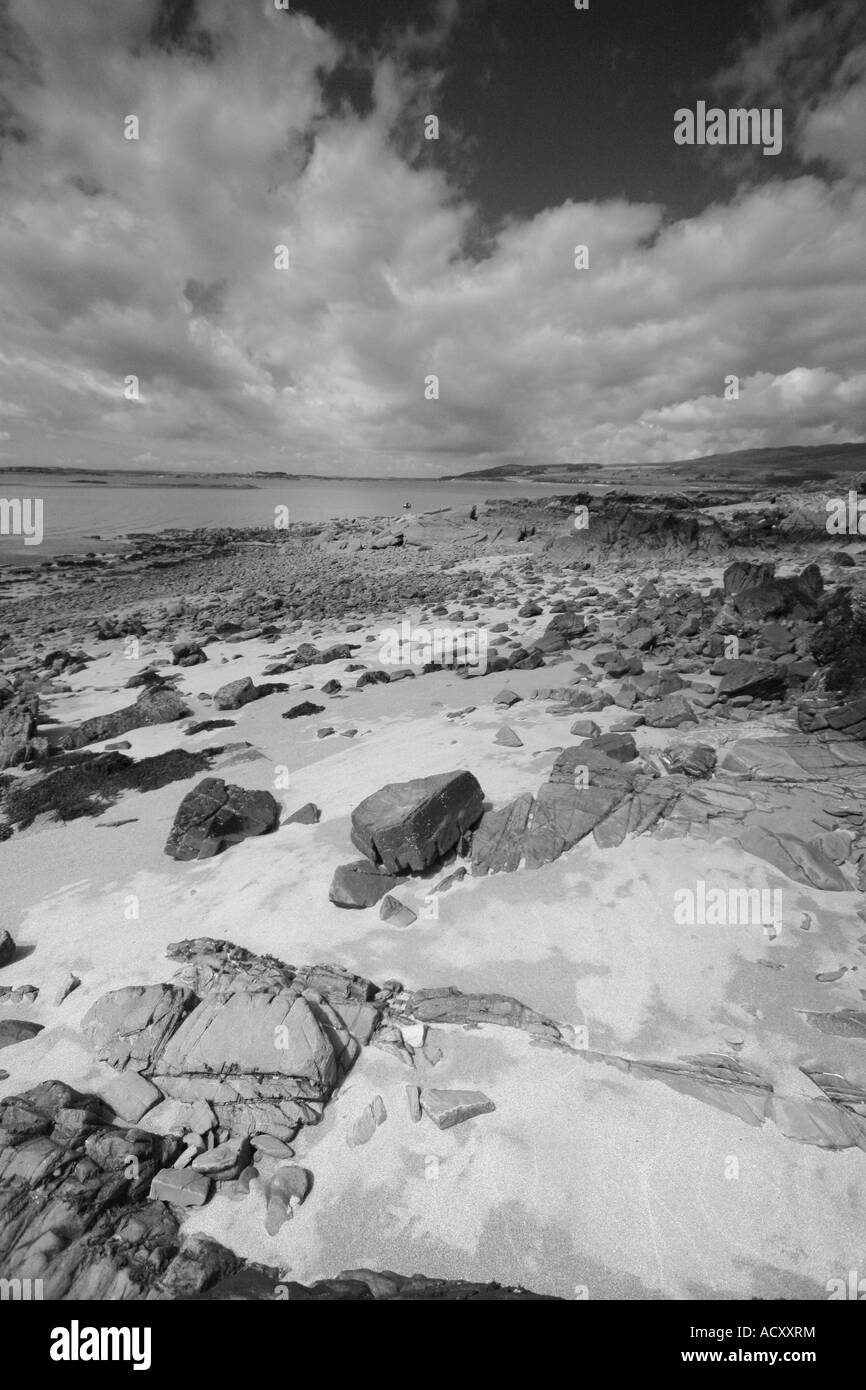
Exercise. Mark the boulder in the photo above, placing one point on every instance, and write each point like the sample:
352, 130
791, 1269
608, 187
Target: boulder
263, 1062
760, 679
410, 825
236, 694
157, 704
757, 594
360, 884
187, 653
7, 947
214, 815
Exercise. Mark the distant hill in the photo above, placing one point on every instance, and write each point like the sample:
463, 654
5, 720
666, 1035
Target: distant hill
787, 466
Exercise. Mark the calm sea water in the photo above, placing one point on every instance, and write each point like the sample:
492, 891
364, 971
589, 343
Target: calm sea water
73, 514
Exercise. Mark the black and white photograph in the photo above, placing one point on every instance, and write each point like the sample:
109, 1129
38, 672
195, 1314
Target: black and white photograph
433, 665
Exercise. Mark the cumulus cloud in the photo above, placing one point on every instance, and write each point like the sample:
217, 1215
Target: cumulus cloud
156, 257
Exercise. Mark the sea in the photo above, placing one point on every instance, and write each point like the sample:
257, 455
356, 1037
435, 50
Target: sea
95, 516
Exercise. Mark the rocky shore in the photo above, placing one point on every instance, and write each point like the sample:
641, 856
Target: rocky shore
592, 818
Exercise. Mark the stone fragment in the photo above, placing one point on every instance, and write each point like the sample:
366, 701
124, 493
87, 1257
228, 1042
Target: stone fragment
397, 913
226, 1160
67, 985
508, 738
413, 1096
449, 1108
308, 814
291, 1183
181, 1187
359, 884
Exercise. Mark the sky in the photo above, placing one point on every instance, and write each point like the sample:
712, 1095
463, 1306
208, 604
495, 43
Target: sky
427, 315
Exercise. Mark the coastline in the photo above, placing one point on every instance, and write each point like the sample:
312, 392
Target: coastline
264, 609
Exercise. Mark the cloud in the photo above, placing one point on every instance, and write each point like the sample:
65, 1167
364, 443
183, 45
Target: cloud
158, 258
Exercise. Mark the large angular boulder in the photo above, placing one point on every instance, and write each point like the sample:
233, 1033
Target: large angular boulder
669, 712
251, 1033
236, 693
214, 815
410, 825
264, 1062
757, 594
763, 680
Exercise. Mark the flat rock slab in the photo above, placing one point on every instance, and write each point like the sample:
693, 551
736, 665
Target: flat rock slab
410, 825
131, 1095
449, 1108
181, 1187
129, 1027
497, 845
224, 1161
359, 884
561, 817
447, 1004
257, 1035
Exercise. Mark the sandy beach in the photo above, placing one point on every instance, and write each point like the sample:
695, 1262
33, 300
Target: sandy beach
588, 1180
